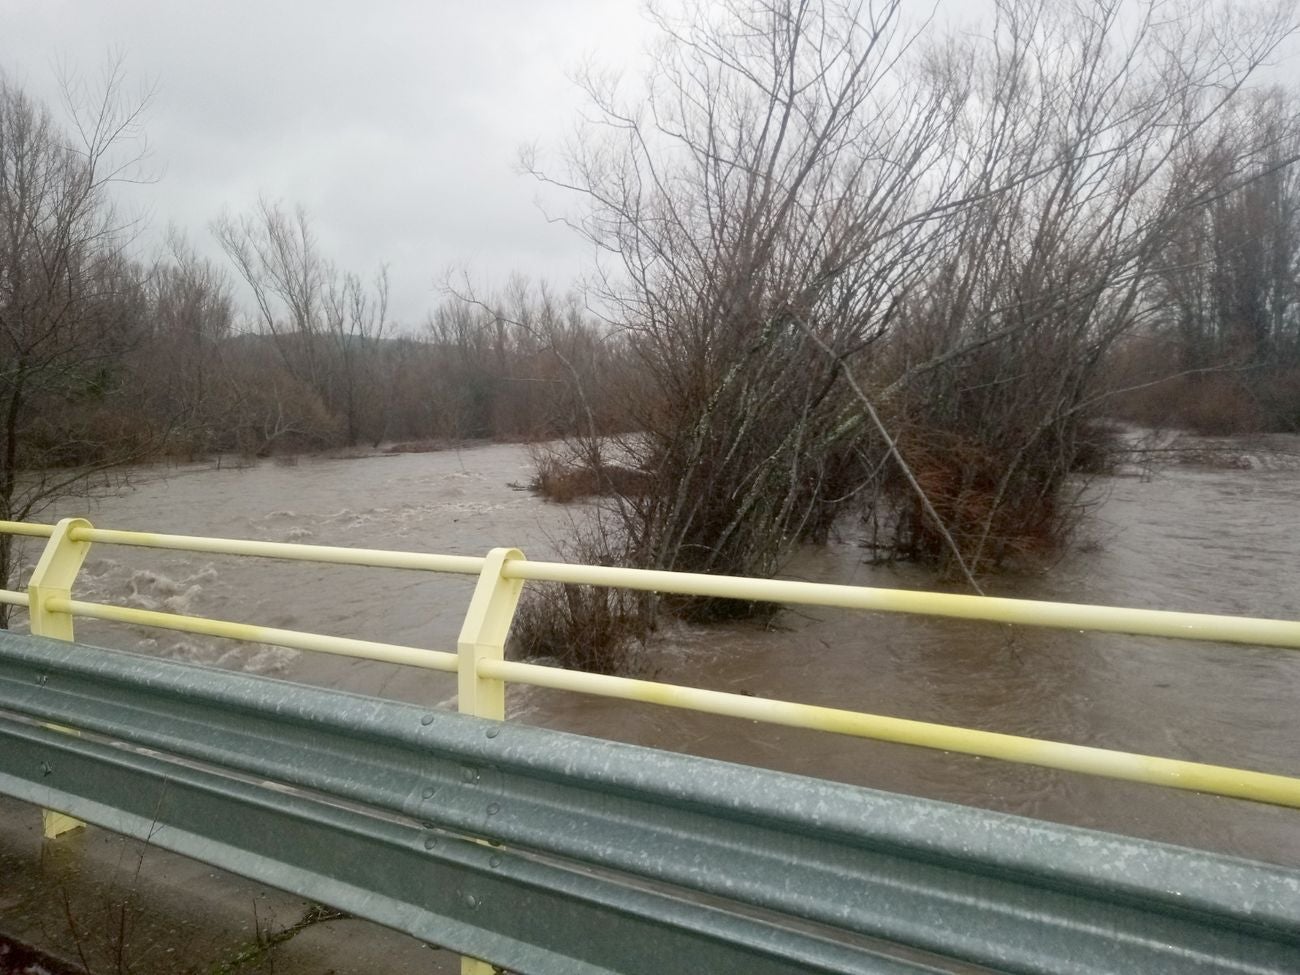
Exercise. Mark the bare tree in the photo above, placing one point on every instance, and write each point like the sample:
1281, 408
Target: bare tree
1087, 141
326, 325
754, 205
529, 362
814, 215
356, 318
69, 298
1225, 301
179, 362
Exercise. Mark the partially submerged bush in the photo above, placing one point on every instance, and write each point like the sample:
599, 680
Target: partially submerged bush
579, 627
990, 499
567, 480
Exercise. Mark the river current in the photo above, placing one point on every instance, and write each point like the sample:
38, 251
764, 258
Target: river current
1205, 539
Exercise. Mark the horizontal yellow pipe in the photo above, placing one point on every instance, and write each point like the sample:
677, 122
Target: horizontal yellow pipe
377, 558
295, 639
1028, 612
1074, 616
1278, 790
26, 528
13, 598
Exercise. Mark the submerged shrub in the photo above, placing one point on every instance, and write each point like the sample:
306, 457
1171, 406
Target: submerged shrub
579, 627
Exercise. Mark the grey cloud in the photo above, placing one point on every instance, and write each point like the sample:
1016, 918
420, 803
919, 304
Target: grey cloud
395, 123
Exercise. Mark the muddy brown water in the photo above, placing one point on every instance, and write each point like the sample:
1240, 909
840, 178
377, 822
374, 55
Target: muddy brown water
1184, 537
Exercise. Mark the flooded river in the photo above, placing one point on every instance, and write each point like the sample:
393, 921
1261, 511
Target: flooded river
1184, 537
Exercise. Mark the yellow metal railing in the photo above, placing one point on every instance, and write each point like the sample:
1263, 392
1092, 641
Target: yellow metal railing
483, 672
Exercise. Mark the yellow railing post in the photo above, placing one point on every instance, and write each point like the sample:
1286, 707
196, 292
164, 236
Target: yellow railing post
53, 578
483, 636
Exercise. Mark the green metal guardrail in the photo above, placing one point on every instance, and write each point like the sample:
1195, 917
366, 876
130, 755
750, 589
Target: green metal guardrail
615, 858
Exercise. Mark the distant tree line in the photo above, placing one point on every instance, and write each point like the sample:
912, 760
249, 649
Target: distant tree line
107, 358
320, 365
1220, 349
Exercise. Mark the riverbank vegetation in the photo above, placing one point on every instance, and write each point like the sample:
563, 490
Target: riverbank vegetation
892, 273
854, 266
911, 280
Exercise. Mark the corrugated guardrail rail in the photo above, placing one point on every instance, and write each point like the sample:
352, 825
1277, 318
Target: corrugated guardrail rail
616, 858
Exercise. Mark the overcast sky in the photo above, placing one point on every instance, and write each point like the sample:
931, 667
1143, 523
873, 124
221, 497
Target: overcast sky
395, 122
